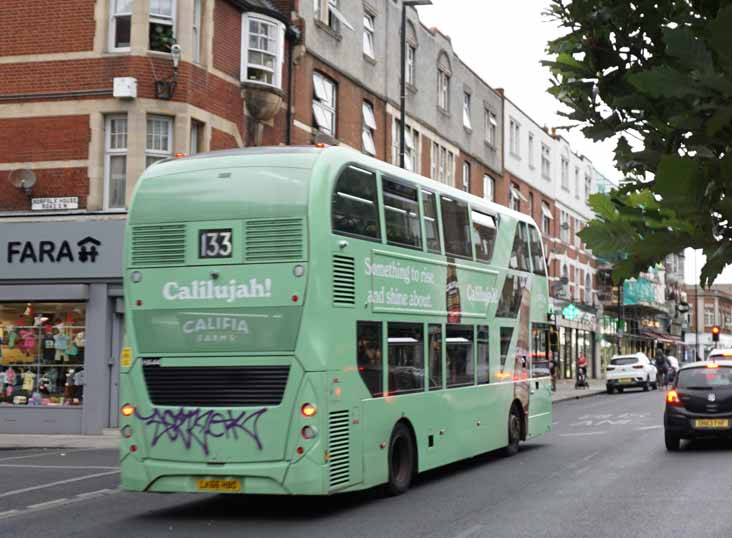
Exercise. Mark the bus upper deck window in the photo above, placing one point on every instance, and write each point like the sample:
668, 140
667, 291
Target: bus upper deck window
355, 209
401, 214
537, 253
484, 235
431, 229
520, 251
455, 227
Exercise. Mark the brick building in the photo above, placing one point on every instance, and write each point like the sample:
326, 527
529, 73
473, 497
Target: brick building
709, 307
111, 86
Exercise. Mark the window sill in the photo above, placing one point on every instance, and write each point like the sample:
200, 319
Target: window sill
489, 145
328, 30
443, 111
411, 87
120, 52
159, 53
369, 59
515, 155
468, 130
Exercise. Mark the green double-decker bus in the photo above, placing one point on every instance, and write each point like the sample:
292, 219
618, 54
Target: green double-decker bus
313, 321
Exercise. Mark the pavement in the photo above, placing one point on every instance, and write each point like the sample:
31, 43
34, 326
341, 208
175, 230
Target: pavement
109, 439
602, 472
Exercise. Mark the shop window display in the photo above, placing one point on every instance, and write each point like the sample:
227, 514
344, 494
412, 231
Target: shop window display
42, 353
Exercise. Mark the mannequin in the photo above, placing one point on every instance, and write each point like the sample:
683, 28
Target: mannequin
80, 343
61, 342
48, 347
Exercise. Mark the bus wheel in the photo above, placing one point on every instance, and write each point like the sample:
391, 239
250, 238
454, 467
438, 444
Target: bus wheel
514, 432
402, 457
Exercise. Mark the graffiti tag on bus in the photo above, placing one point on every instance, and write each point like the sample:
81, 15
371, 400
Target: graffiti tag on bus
197, 427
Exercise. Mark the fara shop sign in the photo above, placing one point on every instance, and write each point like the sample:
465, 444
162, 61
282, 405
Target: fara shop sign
59, 249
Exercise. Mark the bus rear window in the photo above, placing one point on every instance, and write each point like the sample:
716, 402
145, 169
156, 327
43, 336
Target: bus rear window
355, 205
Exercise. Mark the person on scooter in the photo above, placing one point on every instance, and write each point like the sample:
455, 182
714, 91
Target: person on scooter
582, 372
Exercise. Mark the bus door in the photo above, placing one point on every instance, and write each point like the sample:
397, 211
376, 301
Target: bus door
540, 389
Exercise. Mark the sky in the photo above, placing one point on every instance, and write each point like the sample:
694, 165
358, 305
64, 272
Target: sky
504, 42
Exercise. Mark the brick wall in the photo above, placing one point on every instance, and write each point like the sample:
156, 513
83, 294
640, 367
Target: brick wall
45, 26
227, 38
49, 183
222, 140
44, 139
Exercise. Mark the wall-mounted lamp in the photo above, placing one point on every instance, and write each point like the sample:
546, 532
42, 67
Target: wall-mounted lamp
164, 89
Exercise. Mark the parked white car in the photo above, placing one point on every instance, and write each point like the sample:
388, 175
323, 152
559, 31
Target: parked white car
634, 370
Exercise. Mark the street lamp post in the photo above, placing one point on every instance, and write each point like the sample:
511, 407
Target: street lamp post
403, 90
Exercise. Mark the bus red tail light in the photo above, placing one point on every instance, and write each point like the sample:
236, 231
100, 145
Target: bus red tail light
128, 410
672, 399
308, 410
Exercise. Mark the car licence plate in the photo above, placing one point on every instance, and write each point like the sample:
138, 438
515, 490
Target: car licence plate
217, 484
626, 380
711, 423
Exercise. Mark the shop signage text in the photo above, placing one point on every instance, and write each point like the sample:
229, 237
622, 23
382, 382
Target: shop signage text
85, 251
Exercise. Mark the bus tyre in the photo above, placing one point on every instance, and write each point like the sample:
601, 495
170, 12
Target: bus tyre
402, 460
514, 432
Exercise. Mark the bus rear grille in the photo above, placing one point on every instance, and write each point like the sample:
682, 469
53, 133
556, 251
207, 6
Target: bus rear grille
216, 386
163, 244
339, 448
344, 281
273, 240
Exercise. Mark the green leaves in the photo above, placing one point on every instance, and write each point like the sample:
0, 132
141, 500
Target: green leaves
668, 84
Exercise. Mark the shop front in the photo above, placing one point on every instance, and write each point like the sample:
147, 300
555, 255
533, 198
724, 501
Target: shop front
577, 327
61, 325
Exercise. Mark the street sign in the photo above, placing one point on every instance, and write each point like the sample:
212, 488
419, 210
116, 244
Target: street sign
64, 202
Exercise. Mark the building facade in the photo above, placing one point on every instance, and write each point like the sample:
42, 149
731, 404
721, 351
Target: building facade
113, 86
708, 307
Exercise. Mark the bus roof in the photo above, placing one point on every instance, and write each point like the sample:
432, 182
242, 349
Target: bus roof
306, 157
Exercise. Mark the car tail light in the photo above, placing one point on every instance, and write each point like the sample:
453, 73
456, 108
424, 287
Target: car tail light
610, 368
672, 399
712, 365
638, 366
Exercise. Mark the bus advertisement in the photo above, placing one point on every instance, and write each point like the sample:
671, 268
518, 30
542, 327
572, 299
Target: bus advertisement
314, 321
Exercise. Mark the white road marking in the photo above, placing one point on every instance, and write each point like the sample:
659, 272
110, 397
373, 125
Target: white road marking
55, 452
8, 513
96, 493
580, 434
657, 427
46, 504
469, 532
57, 483
21, 466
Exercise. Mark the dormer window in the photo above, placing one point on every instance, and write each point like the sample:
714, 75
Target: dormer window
264, 39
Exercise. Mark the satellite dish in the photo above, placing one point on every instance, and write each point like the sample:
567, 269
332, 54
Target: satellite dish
23, 178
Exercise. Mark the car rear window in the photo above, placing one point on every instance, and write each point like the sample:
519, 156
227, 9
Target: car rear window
705, 378
621, 361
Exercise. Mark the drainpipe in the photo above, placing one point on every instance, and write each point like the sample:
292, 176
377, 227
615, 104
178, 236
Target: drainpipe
293, 37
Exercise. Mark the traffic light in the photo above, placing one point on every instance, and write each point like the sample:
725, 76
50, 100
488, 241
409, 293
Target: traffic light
715, 333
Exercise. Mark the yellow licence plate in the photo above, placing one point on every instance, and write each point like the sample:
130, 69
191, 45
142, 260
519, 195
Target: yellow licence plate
714, 423
626, 380
226, 485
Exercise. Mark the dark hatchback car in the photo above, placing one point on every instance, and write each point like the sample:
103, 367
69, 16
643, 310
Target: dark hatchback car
699, 404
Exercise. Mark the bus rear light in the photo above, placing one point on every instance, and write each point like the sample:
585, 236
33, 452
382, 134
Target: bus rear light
308, 432
126, 431
133, 448
308, 410
295, 298
138, 302
128, 410
300, 451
